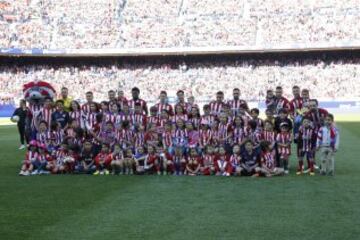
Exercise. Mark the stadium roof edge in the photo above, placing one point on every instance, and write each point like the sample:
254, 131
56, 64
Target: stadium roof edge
185, 51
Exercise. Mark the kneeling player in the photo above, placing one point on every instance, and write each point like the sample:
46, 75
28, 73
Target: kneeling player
129, 162
268, 167
178, 161
102, 161
117, 160
31, 156
139, 158
222, 163
152, 161
235, 160
250, 159
86, 163
208, 167
193, 164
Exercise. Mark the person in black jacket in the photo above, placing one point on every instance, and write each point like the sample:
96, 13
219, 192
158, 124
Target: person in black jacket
21, 112
283, 117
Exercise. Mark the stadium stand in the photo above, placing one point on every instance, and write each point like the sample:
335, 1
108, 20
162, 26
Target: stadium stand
118, 24
200, 79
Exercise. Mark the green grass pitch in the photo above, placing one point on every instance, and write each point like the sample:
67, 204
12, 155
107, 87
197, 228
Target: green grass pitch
167, 207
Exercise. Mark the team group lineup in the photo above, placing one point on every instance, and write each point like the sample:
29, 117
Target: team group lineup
119, 136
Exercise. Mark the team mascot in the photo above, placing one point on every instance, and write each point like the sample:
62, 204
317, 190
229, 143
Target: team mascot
35, 94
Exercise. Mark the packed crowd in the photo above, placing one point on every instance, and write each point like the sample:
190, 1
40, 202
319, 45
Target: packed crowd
122, 136
200, 80
177, 23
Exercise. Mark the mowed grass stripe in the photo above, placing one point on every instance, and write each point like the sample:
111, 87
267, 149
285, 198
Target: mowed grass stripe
151, 207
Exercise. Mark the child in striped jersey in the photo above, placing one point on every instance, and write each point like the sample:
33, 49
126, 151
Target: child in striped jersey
269, 134
193, 135
102, 161
204, 134
166, 137
117, 160
180, 137
41, 163
238, 131
56, 133
283, 141
195, 117
60, 156
76, 114
306, 141
152, 161
42, 133
139, 135
139, 159
267, 166
178, 160
193, 163
208, 167
129, 162
207, 114
31, 155
235, 160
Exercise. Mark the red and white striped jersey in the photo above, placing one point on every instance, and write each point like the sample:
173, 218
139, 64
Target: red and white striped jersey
238, 135
282, 103
268, 160
184, 105
121, 118
235, 105
166, 138
317, 117
209, 118
138, 119
259, 123
45, 115
122, 101
215, 136
85, 108
205, 137
124, 135
284, 138
42, 137
34, 112
91, 119
246, 120
176, 117
31, 156
76, 115
154, 120
296, 104
57, 135
164, 106
45, 157
307, 139
59, 156
180, 136
110, 117
235, 160
208, 160
254, 136
269, 136
132, 102
190, 106
216, 107
195, 121
139, 139
224, 130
